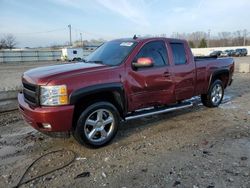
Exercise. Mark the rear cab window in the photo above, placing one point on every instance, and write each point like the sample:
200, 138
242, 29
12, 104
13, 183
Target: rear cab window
179, 53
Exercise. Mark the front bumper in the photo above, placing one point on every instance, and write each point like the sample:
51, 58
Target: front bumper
60, 117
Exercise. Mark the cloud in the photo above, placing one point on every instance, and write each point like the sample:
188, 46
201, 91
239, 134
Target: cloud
131, 10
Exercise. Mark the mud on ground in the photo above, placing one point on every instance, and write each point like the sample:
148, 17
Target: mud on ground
195, 147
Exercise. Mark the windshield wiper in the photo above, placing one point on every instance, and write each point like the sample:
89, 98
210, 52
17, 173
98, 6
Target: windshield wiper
83, 60
97, 62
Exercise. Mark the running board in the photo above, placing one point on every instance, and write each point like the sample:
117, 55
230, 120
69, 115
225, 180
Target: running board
153, 111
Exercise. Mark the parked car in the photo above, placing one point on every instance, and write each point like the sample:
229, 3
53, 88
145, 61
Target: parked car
122, 80
231, 53
241, 52
244, 52
216, 53
225, 53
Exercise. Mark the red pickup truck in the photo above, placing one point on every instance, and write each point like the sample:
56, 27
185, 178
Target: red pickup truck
122, 80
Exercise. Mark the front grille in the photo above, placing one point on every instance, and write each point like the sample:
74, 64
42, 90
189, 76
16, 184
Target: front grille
31, 93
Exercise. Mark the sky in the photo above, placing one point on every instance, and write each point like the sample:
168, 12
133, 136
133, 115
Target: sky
45, 22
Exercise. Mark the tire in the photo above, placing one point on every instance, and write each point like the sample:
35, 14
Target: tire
97, 125
214, 96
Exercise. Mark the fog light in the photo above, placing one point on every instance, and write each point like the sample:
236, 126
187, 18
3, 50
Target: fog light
46, 125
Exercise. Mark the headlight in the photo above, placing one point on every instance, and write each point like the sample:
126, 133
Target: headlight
53, 95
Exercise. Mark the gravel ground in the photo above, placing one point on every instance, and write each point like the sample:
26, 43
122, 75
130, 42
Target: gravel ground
196, 147
10, 74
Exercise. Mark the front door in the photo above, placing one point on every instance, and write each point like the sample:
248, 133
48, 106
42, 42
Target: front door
151, 86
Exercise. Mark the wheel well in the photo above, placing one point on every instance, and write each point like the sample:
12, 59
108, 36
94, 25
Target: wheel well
113, 97
223, 76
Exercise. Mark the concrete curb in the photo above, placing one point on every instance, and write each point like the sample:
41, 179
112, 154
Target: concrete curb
8, 100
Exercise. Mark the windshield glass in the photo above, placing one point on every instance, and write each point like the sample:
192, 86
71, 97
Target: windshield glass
111, 53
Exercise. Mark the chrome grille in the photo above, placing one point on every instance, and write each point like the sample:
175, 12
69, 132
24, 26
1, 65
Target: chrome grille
31, 93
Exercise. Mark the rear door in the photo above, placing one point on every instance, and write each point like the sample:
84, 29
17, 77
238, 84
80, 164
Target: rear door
183, 70
152, 85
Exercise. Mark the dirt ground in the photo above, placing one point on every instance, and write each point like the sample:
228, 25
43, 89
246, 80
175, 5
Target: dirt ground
195, 147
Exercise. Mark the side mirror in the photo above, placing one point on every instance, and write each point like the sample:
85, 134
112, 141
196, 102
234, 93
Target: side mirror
143, 62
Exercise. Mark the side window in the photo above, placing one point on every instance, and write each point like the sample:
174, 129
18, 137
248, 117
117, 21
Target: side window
155, 50
74, 52
179, 53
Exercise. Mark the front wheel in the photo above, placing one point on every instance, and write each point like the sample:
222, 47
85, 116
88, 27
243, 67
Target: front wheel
97, 125
214, 96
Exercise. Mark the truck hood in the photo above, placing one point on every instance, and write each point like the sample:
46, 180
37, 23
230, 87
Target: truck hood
43, 75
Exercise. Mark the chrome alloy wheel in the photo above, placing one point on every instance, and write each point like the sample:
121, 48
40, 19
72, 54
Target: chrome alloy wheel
216, 94
99, 125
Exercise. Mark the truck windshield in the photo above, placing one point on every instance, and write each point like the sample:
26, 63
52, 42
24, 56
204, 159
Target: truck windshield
111, 53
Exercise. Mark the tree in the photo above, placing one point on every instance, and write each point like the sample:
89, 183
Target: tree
203, 43
3, 44
191, 44
224, 38
8, 42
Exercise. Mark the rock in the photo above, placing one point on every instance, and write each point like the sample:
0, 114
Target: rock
104, 175
243, 158
176, 183
106, 159
210, 186
246, 174
205, 152
230, 179
144, 170
82, 175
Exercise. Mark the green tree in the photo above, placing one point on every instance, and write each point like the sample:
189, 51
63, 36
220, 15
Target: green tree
191, 44
203, 43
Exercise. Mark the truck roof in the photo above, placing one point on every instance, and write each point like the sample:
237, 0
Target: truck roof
146, 39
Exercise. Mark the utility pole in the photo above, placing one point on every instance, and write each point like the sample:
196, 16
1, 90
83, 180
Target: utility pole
70, 39
81, 40
245, 36
208, 38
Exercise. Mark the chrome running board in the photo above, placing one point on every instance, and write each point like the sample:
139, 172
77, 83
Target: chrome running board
153, 111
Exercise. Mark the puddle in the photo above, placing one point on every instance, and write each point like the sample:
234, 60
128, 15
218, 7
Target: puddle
229, 105
226, 99
197, 100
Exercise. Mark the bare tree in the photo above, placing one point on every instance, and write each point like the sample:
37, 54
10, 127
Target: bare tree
225, 38
238, 38
3, 44
10, 41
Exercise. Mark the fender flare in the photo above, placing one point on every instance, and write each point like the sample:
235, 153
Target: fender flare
117, 88
216, 73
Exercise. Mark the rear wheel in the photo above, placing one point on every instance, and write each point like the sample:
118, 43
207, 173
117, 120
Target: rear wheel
97, 125
214, 96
